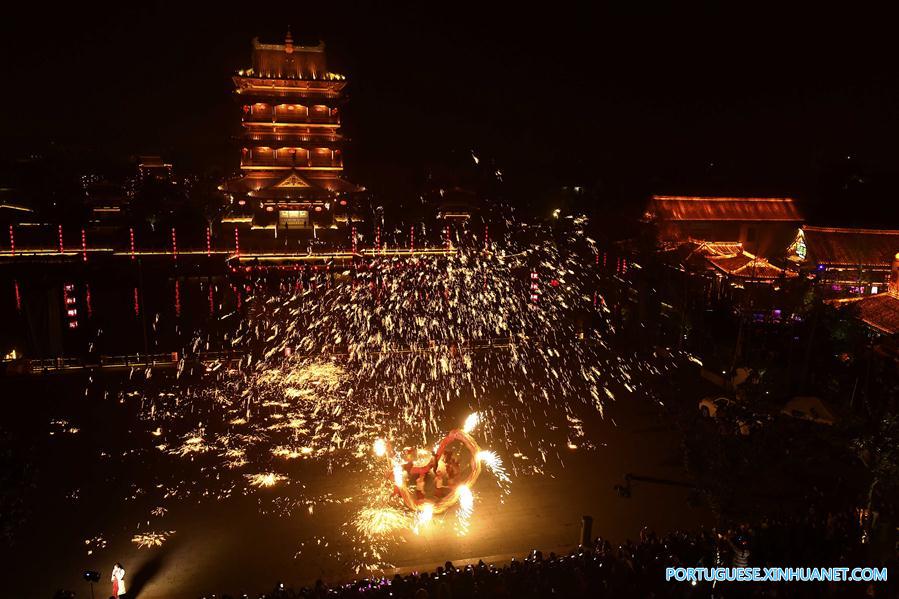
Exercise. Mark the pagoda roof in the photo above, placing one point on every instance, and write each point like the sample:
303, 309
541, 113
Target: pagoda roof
292, 181
152, 162
289, 61
325, 96
248, 83
294, 184
718, 248
695, 208
850, 247
726, 257
748, 266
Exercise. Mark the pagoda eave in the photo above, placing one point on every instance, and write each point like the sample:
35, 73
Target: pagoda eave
270, 125
251, 97
278, 141
293, 86
253, 167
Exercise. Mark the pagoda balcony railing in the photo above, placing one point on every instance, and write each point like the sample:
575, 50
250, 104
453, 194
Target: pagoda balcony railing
326, 140
288, 118
262, 163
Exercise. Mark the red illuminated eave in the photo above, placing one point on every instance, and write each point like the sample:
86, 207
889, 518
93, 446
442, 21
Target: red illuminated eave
293, 87
851, 247
270, 124
694, 208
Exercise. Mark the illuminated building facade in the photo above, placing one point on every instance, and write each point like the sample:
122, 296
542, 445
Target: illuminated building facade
764, 226
291, 146
846, 260
153, 168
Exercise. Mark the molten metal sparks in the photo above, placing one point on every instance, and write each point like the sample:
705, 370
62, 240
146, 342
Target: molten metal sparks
380, 448
399, 478
265, 479
391, 351
471, 422
494, 463
374, 521
466, 508
151, 539
423, 516
288, 453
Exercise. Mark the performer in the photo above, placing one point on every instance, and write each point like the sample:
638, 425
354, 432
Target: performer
452, 467
118, 580
440, 477
420, 483
408, 459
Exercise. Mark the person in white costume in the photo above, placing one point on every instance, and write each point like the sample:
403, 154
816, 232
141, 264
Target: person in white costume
118, 580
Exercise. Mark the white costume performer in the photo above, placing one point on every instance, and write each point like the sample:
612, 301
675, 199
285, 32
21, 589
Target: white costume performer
118, 580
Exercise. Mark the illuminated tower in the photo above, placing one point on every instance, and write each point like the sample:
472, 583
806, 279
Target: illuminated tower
291, 147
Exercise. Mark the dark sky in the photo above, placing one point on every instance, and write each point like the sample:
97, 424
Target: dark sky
702, 99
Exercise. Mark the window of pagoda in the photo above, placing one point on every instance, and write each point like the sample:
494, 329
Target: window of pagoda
322, 157
320, 111
261, 154
260, 109
291, 112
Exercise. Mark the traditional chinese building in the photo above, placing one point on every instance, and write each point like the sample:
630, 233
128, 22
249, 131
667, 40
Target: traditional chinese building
880, 311
153, 168
846, 260
763, 226
732, 261
291, 147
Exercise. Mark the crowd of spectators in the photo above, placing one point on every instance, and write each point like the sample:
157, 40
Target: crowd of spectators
637, 568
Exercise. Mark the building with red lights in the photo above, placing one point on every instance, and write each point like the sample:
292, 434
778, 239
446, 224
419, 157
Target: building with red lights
880, 311
846, 260
291, 147
763, 226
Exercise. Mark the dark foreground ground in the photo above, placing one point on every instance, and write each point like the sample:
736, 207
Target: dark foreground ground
83, 507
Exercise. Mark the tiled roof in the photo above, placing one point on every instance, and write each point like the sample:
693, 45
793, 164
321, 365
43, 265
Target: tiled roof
851, 247
686, 208
879, 311
266, 185
287, 61
729, 258
747, 266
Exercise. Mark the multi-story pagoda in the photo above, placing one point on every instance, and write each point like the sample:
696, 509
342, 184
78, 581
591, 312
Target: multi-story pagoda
291, 147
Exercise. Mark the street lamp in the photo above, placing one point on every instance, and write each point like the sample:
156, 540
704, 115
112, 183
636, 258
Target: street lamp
91, 576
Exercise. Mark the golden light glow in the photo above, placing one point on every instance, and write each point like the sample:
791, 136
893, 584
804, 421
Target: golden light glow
466, 508
151, 539
471, 422
380, 448
374, 521
423, 516
418, 462
265, 479
399, 478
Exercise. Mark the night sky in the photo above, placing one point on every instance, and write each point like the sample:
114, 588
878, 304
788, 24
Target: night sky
627, 101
